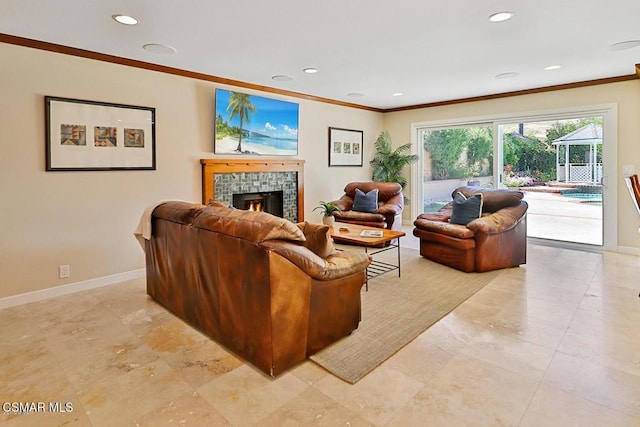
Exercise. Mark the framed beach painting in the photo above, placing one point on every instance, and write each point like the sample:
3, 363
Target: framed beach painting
345, 147
254, 125
92, 136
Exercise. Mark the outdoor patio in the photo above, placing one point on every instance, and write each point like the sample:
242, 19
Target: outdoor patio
552, 216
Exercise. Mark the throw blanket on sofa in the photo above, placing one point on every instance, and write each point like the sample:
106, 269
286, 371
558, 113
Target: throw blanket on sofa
143, 230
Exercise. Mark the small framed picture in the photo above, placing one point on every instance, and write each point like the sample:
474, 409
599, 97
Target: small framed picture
345, 147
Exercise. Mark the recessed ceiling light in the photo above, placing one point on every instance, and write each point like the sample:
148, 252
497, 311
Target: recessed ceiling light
552, 67
500, 16
355, 95
159, 48
310, 70
507, 75
282, 78
125, 19
628, 44
398, 94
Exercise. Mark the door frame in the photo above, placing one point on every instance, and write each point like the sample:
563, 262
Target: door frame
609, 113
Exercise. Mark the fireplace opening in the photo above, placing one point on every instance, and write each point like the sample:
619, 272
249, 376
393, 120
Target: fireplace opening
267, 201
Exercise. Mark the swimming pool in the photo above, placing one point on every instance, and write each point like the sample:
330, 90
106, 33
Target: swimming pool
585, 197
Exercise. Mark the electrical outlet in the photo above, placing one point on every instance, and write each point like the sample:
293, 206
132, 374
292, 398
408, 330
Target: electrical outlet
63, 271
628, 169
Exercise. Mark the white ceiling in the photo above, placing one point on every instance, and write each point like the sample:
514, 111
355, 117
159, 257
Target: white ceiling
428, 50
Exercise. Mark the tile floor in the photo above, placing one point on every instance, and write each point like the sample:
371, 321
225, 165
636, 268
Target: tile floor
552, 343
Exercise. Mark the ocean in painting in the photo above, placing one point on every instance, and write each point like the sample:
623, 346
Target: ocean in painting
278, 143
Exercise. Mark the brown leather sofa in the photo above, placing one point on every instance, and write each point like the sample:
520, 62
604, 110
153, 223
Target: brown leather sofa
498, 239
390, 205
249, 281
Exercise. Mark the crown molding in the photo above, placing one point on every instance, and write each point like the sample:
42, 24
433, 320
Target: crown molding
66, 50
523, 92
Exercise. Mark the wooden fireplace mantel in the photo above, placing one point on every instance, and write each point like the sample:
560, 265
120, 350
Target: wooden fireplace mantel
210, 167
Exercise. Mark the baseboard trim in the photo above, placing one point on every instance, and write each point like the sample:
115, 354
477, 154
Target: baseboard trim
628, 250
71, 288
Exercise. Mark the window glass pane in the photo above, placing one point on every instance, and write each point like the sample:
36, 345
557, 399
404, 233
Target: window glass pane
455, 157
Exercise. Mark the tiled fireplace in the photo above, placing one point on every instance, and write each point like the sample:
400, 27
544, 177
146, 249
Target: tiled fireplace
249, 181
229, 186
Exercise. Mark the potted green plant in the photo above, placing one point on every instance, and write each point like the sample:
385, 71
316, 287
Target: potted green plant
327, 209
387, 164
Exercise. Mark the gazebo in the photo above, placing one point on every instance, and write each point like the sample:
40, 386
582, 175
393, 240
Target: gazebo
588, 171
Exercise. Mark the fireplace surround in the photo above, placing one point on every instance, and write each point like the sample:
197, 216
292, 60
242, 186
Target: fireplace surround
221, 178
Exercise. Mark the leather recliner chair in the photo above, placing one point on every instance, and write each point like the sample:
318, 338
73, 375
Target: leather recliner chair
390, 205
497, 239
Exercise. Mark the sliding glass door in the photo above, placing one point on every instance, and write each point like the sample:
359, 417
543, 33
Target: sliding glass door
556, 159
557, 164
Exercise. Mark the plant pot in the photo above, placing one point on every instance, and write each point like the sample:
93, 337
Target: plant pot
328, 220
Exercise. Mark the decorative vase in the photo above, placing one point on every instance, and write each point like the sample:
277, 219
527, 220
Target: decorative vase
328, 220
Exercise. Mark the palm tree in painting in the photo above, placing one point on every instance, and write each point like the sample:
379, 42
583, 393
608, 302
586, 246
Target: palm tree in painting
241, 106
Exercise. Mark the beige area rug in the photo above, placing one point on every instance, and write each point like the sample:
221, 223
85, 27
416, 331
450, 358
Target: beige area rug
396, 310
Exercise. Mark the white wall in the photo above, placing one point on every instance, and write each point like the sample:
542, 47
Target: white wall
86, 219
626, 95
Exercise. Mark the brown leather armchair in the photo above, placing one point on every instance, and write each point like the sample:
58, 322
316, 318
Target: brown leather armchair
390, 205
497, 239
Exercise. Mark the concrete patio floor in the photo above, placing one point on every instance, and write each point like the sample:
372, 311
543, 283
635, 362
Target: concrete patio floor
552, 216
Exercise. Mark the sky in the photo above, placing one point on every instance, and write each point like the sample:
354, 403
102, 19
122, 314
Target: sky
273, 117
